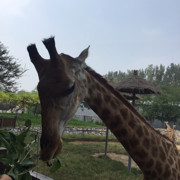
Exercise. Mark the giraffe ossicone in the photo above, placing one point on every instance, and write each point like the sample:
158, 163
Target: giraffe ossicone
64, 82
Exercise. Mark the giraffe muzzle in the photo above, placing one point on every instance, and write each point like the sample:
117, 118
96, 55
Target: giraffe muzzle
49, 148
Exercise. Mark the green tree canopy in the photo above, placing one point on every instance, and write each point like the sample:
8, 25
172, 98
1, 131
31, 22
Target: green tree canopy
158, 75
10, 70
164, 107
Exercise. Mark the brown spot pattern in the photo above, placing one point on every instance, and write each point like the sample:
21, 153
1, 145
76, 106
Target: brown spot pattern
94, 108
176, 152
167, 171
120, 133
159, 167
113, 124
162, 154
170, 160
103, 90
146, 131
89, 79
150, 163
139, 131
154, 151
147, 173
179, 163
124, 112
90, 91
131, 123
146, 143
113, 104
150, 138
141, 154
105, 114
107, 98
134, 141
153, 175
165, 147
98, 87
98, 100
125, 144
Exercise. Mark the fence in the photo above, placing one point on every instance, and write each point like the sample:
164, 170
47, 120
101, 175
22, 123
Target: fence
6, 122
86, 130
88, 118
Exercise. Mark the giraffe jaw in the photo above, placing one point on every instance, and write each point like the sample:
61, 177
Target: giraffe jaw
50, 152
51, 142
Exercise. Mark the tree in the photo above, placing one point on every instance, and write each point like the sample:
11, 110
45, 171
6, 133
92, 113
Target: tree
164, 107
10, 70
24, 100
34, 103
3, 101
116, 76
172, 75
11, 100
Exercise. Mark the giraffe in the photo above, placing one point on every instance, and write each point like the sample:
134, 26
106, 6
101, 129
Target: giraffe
64, 82
171, 132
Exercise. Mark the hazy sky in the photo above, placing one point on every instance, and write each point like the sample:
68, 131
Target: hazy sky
123, 34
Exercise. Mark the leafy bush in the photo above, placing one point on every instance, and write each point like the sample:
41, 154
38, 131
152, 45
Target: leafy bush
20, 156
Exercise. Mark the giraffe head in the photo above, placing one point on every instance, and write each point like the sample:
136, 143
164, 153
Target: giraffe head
61, 90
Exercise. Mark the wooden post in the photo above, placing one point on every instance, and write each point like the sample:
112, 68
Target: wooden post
129, 161
129, 164
106, 145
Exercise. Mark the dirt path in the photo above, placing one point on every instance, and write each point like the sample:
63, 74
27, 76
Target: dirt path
118, 157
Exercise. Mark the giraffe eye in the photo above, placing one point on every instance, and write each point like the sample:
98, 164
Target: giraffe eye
69, 90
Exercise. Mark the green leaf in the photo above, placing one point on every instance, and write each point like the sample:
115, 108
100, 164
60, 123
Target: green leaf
24, 167
25, 176
28, 123
56, 165
18, 168
18, 156
13, 157
5, 161
28, 164
13, 175
4, 142
20, 139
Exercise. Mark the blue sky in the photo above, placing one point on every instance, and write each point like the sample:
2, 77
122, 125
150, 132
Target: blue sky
122, 34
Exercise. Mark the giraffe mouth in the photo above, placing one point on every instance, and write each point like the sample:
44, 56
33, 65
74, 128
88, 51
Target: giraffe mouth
50, 150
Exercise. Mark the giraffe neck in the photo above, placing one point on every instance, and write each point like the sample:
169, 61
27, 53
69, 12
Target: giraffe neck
146, 146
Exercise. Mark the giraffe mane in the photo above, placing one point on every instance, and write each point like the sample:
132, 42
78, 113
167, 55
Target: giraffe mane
116, 93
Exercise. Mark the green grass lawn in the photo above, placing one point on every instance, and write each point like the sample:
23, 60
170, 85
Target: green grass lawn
78, 123
79, 164
77, 160
36, 120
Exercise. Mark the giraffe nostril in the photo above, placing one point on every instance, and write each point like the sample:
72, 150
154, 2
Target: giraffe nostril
49, 163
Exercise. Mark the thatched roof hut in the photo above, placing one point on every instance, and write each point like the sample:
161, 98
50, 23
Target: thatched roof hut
136, 84
126, 95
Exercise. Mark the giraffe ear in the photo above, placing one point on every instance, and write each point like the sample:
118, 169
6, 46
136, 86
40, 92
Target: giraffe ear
83, 55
